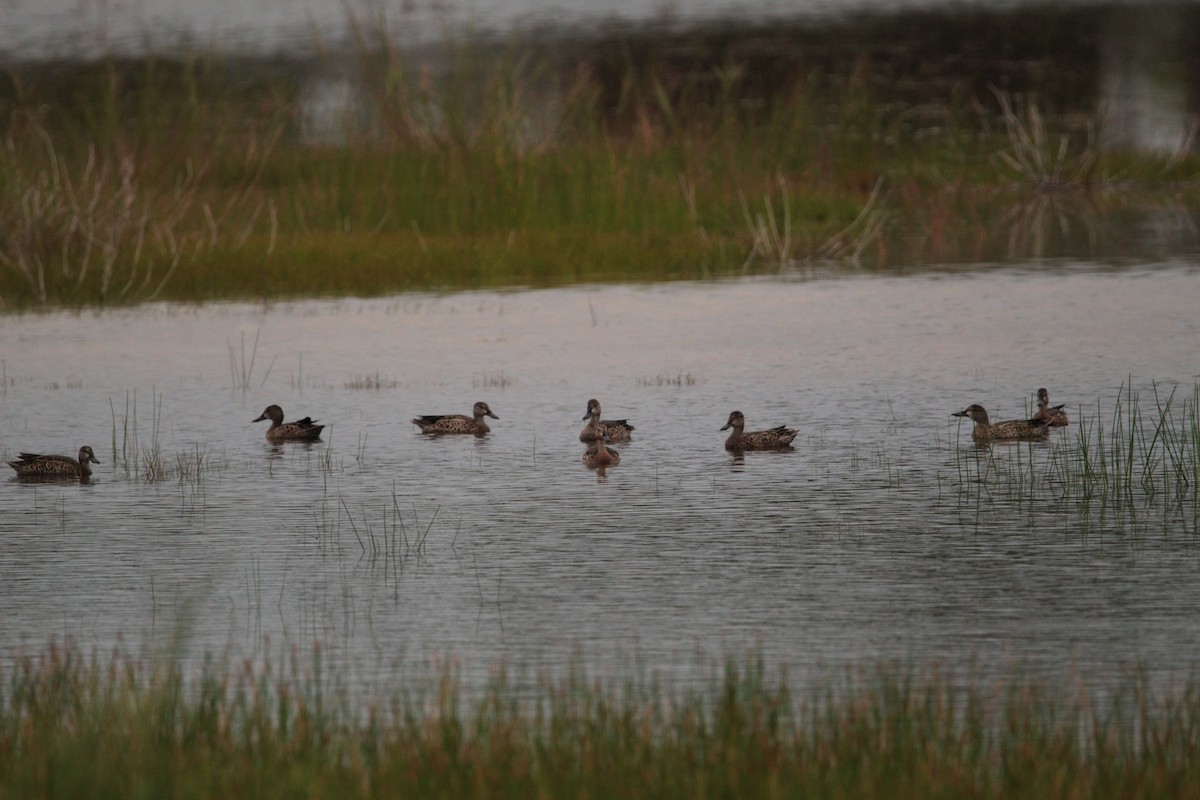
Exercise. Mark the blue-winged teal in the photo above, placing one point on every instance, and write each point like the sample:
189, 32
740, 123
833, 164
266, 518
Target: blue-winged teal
1054, 415
302, 430
457, 423
615, 430
1012, 429
600, 455
774, 439
32, 465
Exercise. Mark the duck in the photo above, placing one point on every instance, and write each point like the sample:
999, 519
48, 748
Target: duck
1055, 416
302, 430
614, 430
457, 423
1013, 429
777, 438
33, 465
600, 455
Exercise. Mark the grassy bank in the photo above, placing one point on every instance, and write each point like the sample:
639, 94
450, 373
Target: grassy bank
73, 726
620, 157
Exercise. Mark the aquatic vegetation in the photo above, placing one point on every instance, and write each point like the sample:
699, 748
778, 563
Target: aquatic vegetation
492, 380
371, 382
1046, 161
382, 535
624, 156
666, 379
1139, 459
143, 460
241, 369
1127, 466
116, 725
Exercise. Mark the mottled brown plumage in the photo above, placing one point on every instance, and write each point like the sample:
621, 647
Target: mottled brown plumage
614, 430
777, 438
1012, 430
302, 430
600, 455
457, 423
1054, 415
32, 465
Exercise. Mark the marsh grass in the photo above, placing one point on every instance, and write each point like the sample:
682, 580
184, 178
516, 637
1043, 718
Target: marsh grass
125, 447
115, 725
371, 382
492, 380
241, 368
144, 460
666, 379
1048, 161
484, 164
1135, 462
389, 535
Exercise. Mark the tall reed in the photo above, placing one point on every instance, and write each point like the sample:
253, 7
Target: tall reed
1121, 460
78, 725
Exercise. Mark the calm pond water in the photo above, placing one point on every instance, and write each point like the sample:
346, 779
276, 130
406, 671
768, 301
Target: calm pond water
883, 535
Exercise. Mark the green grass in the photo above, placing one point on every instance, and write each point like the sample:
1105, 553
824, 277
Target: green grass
191, 179
1133, 461
72, 726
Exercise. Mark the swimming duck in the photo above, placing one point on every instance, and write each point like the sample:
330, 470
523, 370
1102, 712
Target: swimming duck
774, 439
599, 455
302, 430
615, 430
1055, 415
32, 465
457, 423
1012, 429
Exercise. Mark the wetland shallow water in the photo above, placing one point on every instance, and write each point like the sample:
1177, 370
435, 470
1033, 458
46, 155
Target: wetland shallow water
883, 535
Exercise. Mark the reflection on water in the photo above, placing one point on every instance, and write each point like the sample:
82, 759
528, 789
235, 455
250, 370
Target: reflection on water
884, 533
74, 29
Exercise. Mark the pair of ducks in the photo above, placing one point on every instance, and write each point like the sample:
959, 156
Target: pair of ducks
598, 432
307, 429
1036, 427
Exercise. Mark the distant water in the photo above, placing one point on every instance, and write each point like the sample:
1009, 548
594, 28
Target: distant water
42, 28
883, 535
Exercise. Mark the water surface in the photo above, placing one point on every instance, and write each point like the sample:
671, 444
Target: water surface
37, 28
875, 538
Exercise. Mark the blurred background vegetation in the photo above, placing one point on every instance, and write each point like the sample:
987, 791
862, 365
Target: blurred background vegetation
868, 141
